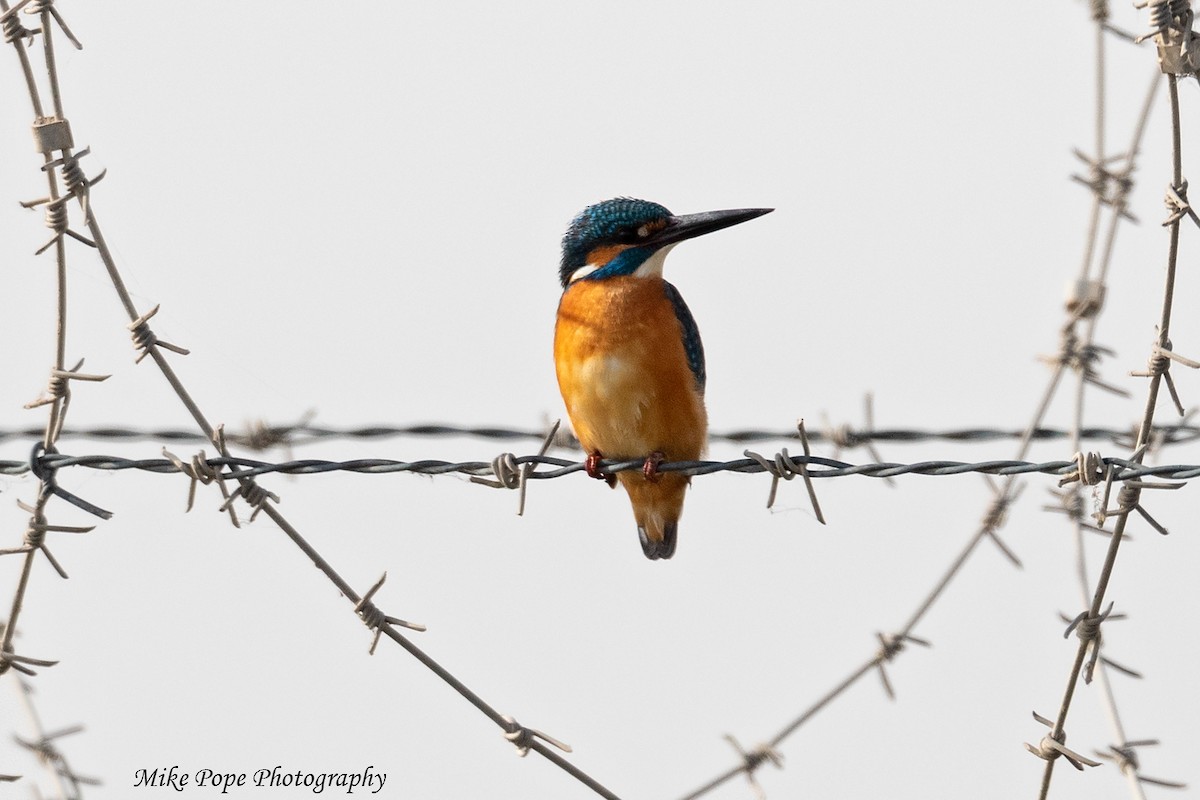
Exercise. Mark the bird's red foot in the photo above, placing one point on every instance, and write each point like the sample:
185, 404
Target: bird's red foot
650, 468
591, 466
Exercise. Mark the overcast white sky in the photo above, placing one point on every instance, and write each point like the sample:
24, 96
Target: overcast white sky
357, 210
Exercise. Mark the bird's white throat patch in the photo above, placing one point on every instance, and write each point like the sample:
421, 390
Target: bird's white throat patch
652, 267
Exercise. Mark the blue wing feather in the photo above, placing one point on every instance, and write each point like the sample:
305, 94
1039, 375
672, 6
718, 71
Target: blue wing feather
691, 335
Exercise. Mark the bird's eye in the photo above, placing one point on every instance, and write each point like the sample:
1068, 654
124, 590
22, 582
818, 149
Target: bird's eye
627, 235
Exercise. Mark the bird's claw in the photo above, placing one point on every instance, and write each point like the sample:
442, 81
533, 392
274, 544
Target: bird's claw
650, 468
591, 466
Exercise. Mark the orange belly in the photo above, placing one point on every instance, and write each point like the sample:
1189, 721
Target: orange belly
623, 371
624, 376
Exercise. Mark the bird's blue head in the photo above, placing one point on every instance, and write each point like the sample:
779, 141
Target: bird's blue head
620, 237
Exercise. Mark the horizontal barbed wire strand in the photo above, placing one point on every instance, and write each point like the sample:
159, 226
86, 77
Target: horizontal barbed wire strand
261, 437
244, 468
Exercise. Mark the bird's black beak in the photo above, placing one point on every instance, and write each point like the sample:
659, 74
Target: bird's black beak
687, 226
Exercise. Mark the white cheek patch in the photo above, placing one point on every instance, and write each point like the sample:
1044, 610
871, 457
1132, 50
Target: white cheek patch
582, 272
652, 267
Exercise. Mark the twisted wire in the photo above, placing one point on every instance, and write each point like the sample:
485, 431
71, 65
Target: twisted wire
245, 468
262, 436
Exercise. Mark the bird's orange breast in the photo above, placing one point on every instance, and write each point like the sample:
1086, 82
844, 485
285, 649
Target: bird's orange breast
623, 370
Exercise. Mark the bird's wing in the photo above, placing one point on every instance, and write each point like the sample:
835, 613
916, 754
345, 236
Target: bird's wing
691, 335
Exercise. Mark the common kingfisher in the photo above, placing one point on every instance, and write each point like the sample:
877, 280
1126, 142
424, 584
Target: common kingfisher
628, 354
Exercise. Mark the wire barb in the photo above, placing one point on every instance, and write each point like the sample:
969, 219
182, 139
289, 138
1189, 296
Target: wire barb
55, 134
525, 739
1126, 758
374, 618
997, 514
844, 437
1086, 626
47, 6
1082, 357
753, 759
144, 339
59, 388
22, 664
254, 495
783, 466
35, 536
1110, 188
45, 469
511, 475
199, 471
1089, 470
1159, 365
1052, 746
13, 29
890, 645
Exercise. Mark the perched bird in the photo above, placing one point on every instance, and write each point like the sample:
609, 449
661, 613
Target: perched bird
628, 354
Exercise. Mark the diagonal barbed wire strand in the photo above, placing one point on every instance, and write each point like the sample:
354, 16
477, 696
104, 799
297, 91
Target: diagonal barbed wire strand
46, 461
1170, 33
1080, 359
1111, 188
147, 343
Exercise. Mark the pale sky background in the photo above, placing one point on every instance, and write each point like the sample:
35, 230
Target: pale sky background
357, 210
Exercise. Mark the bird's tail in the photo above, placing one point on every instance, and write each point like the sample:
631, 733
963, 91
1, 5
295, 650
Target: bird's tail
657, 508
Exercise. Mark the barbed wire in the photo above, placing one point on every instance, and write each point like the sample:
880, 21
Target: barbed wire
47, 463
52, 134
1171, 24
44, 746
1110, 187
243, 468
263, 436
1110, 183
